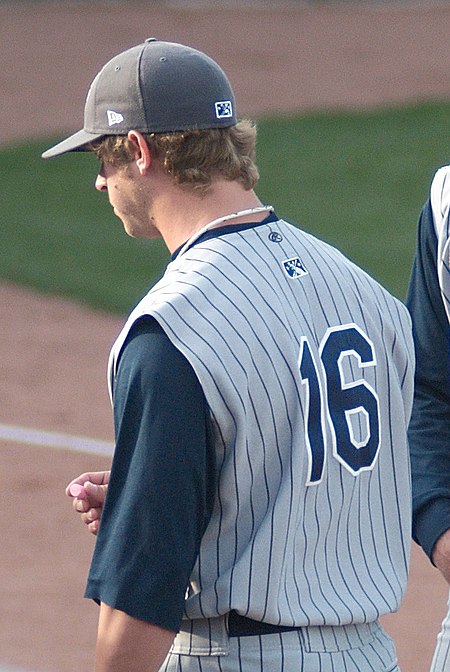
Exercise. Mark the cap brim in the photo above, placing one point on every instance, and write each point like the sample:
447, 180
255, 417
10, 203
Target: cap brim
75, 143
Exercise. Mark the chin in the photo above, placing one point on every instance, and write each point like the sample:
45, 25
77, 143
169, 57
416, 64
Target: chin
130, 232
127, 227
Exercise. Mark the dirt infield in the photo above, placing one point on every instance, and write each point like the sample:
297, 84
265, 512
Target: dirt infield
53, 352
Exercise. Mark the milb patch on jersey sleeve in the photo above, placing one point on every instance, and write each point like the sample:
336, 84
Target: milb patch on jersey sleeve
294, 268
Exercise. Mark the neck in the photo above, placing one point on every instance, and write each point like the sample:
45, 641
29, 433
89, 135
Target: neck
185, 214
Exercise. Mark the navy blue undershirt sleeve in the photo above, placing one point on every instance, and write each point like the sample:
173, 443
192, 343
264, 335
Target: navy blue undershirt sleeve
429, 432
162, 482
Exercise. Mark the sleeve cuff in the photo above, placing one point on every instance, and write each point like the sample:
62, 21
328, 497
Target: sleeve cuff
164, 614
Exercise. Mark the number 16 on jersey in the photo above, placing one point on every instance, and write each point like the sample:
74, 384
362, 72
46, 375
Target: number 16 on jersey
341, 404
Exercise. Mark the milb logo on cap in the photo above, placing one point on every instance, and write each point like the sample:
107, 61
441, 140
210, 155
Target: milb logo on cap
224, 109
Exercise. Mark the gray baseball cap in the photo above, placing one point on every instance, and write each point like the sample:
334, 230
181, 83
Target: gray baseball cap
154, 87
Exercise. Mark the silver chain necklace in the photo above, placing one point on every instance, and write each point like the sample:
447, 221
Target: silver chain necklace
220, 220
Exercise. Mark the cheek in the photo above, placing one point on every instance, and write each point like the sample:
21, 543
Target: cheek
116, 191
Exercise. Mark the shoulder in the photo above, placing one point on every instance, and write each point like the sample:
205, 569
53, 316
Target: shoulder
144, 340
149, 354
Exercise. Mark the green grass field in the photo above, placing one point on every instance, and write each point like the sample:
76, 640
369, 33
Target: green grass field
357, 180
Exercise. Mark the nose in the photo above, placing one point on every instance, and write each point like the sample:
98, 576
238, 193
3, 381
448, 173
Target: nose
100, 181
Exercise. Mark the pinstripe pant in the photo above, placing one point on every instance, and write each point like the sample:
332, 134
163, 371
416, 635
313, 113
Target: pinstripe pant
441, 658
365, 648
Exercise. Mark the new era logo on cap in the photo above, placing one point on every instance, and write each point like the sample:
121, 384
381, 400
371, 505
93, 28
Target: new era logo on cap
224, 109
114, 117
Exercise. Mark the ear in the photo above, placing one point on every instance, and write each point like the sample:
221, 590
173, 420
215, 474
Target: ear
142, 157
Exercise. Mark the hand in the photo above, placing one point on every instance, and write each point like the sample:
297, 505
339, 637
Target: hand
441, 555
90, 498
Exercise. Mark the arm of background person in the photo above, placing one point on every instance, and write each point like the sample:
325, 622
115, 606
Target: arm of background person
429, 432
441, 555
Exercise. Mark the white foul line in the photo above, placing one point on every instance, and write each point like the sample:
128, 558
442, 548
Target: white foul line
36, 437
51, 440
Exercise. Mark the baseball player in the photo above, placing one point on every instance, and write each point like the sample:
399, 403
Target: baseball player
428, 302
258, 505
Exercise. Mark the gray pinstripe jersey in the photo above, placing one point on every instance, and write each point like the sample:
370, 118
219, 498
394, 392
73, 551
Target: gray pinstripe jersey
307, 367
440, 204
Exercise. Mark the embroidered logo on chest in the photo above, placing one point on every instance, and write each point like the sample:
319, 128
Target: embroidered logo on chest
294, 268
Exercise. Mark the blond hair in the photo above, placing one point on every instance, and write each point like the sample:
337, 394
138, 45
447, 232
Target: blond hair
193, 158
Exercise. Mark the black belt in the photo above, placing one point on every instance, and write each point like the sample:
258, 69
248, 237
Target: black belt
241, 626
